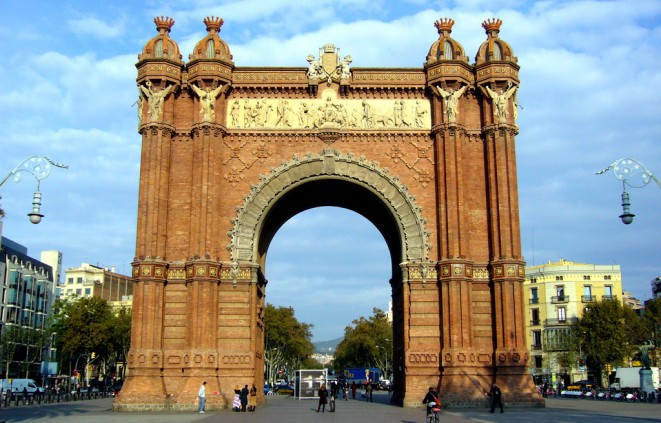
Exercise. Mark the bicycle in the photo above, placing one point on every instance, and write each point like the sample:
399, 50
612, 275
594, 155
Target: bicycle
434, 413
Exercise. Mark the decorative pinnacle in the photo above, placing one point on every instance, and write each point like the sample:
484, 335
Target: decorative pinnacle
163, 23
213, 22
492, 24
444, 24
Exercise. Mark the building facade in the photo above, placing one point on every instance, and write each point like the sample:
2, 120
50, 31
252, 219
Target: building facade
230, 153
88, 280
26, 294
556, 293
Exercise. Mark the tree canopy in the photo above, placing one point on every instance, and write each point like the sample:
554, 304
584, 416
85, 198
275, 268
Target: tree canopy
287, 342
608, 333
366, 343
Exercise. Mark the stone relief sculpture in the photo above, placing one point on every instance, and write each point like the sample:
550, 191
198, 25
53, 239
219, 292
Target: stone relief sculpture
329, 66
155, 99
501, 100
207, 101
139, 103
328, 112
451, 100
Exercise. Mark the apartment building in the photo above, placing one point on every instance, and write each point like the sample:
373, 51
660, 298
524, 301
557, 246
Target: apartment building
556, 293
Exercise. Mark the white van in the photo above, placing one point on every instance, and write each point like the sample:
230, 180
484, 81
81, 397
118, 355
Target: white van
17, 385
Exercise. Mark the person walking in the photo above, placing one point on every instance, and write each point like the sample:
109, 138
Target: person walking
496, 400
202, 397
331, 403
244, 398
353, 389
252, 400
323, 398
368, 390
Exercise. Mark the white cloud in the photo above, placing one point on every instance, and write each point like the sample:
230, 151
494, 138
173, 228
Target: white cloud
96, 27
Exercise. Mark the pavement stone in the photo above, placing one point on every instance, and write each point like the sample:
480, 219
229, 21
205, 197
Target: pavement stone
280, 409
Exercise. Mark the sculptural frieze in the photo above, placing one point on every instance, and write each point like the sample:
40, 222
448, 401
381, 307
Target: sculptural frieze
328, 112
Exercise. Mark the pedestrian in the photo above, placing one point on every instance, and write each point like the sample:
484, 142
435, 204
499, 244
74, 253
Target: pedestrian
202, 397
236, 403
496, 400
353, 389
244, 398
368, 390
323, 398
545, 389
346, 393
332, 401
252, 400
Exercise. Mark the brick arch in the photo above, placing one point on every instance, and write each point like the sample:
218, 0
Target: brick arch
245, 233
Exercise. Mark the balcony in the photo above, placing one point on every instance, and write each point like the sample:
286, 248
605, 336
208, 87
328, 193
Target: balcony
609, 297
536, 322
559, 322
536, 347
561, 299
588, 298
534, 301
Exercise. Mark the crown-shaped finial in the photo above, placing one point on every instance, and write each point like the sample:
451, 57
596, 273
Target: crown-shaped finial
492, 24
444, 24
213, 22
163, 23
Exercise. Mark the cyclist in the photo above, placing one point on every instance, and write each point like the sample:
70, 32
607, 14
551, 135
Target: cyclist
431, 399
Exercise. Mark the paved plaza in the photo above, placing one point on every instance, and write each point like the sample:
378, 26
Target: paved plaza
289, 410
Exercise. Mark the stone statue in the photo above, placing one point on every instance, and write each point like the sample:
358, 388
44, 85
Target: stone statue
207, 101
315, 66
345, 72
451, 99
501, 100
645, 354
155, 99
367, 115
139, 103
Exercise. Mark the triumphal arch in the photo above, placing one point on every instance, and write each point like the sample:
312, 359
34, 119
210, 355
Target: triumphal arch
230, 153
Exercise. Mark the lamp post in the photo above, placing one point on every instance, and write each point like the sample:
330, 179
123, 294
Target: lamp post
628, 171
39, 167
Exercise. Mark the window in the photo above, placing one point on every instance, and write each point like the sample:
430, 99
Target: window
447, 50
538, 361
79, 280
560, 291
607, 277
210, 49
158, 49
608, 292
535, 317
537, 339
587, 293
79, 291
533, 280
88, 291
586, 277
534, 299
562, 314
70, 280
559, 278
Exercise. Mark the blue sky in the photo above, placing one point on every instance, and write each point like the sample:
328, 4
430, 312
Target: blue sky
590, 81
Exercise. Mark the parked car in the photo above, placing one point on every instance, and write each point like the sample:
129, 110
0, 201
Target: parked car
284, 389
267, 388
384, 384
580, 385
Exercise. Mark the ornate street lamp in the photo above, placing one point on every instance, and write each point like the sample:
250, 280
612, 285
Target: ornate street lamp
39, 167
633, 173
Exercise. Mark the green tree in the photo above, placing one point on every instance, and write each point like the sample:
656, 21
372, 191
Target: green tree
121, 339
10, 343
84, 329
366, 343
652, 327
287, 342
608, 333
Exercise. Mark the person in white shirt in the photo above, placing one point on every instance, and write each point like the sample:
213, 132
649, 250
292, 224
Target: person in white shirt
202, 396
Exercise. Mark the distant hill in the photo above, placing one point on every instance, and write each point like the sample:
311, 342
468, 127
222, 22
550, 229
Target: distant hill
326, 347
